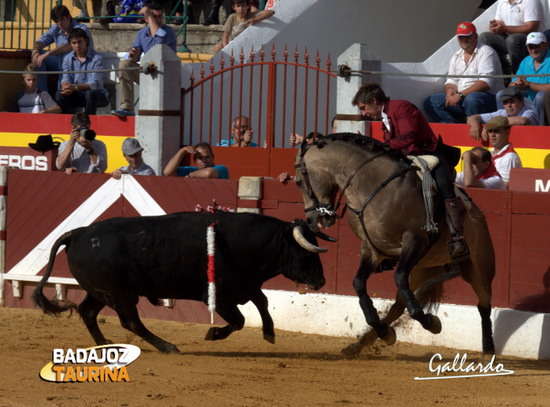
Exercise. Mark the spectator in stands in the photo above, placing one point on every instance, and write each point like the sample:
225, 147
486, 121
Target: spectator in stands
82, 89
179, 12
479, 170
155, 33
237, 22
82, 152
241, 134
132, 151
504, 155
204, 160
213, 17
31, 99
52, 60
467, 96
508, 31
514, 108
83, 16
537, 62
296, 139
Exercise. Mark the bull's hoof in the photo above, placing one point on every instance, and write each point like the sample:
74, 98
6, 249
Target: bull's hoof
352, 351
212, 334
390, 337
435, 328
269, 337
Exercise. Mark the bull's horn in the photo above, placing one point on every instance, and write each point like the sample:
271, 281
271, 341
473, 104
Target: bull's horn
298, 234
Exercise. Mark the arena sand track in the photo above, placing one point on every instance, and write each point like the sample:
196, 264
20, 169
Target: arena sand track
244, 370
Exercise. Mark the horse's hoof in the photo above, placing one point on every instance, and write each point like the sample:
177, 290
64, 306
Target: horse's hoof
487, 357
390, 337
170, 349
436, 325
352, 350
269, 337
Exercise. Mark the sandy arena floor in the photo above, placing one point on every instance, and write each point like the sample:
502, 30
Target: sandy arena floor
244, 370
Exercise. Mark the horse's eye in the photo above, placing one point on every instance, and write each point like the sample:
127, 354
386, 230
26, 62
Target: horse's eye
298, 182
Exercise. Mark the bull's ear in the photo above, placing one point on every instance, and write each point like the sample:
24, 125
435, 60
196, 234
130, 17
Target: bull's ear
324, 236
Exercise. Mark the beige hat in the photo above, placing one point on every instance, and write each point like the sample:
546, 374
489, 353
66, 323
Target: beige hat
497, 122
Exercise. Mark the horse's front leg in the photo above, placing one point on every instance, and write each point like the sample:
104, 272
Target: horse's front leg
413, 249
366, 267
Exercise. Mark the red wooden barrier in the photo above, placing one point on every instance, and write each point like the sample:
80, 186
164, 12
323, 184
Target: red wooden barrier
37, 203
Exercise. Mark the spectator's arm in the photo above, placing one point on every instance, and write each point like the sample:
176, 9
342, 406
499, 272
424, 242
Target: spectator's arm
262, 15
209, 172
518, 121
479, 86
225, 39
528, 27
171, 168
470, 180
55, 109
475, 126
64, 157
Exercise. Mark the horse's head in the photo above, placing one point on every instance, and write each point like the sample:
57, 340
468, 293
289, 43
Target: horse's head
318, 187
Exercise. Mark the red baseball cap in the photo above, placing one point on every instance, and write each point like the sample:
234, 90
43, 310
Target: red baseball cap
466, 28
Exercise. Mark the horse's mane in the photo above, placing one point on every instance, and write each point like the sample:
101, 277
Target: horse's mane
368, 143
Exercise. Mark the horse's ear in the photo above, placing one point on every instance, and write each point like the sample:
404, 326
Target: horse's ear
303, 147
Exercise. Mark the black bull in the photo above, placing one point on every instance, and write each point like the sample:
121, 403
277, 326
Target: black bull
118, 260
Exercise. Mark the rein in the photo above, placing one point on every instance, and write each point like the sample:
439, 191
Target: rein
359, 212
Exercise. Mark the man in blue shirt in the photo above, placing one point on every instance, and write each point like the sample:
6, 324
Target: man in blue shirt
537, 62
155, 33
82, 89
241, 135
58, 33
204, 160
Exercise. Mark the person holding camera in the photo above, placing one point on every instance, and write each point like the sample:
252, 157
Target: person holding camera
82, 152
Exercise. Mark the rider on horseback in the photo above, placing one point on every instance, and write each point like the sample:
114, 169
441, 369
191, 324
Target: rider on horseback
406, 130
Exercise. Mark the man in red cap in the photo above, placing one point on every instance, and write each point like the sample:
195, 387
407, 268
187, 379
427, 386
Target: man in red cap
465, 97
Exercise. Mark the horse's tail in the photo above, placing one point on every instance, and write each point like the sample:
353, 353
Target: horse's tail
430, 293
38, 297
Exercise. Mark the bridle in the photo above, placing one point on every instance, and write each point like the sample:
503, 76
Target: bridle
326, 209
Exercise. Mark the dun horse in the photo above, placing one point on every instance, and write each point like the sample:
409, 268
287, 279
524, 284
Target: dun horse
386, 211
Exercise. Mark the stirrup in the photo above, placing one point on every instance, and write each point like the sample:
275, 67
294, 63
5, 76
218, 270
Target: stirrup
463, 252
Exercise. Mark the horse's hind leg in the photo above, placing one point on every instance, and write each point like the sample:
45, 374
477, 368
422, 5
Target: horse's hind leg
413, 248
480, 278
88, 310
260, 301
127, 312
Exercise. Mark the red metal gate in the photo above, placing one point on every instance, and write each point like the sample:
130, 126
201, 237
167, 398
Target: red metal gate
279, 98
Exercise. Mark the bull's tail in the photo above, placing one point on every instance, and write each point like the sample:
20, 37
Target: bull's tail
38, 297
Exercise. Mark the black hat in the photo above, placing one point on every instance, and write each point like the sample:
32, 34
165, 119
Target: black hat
44, 143
509, 93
